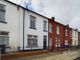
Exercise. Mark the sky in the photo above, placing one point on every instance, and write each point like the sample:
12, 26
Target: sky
64, 11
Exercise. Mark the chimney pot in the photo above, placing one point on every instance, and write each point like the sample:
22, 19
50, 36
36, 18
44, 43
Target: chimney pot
67, 25
53, 18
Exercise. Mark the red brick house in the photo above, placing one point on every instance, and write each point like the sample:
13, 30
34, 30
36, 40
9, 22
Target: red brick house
79, 38
56, 34
51, 34
68, 36
60, 35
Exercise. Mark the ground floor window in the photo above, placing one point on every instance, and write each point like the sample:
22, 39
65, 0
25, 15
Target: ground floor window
4, 38
57, 41
32, 41
50, 43
66, 42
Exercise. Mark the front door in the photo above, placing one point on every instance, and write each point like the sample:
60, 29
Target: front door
45, 42
50, 43
2, 49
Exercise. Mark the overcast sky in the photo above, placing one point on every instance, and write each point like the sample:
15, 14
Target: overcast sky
65, 11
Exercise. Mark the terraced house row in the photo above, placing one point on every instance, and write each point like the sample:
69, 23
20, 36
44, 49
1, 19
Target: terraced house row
23, 29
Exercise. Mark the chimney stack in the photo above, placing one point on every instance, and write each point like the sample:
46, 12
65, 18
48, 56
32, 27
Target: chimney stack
67, 25
53, 18
76, 29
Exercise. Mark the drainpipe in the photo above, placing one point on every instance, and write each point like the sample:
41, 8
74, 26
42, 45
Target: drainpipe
23, 27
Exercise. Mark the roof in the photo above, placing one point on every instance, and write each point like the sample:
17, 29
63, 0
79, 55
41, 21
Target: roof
26, 9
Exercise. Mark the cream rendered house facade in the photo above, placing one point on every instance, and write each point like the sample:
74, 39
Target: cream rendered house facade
74, 37
22, 29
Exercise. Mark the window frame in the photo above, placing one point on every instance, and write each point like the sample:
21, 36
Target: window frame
66, 42
33, 39
66, 32
32, 21
45, 26
3, 9
58, 29
50, 28
5, 35
58, 43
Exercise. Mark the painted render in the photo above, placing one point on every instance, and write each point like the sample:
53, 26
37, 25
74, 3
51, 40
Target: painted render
14, 26
74, 37
38, 31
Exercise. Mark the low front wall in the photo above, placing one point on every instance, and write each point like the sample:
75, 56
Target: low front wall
22, 54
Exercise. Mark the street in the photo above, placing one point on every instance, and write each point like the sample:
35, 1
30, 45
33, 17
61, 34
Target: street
70, 55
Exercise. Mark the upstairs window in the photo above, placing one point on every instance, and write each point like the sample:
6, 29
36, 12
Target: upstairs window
66, 33
70, 33
32, 22
45, 25
2, 13
58, 32
50, 27
75, 34
4, 38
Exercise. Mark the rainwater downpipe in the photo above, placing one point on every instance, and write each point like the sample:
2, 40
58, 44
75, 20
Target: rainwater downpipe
23, 28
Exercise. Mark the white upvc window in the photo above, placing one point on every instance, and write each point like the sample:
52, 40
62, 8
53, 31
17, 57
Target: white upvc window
50, 43
4, 38
70, 33
2, 13
66, 32
66, 42
58, 41
76, 34
32, 22
50, 27
44, 25
58, 29
32, 41
73, 34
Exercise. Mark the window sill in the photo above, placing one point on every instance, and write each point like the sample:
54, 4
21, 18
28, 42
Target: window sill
3, 22
32, 46
33, 28
58, 33
45, 31
8, 47
50, 32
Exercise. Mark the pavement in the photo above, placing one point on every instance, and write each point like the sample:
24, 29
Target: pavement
66, 55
